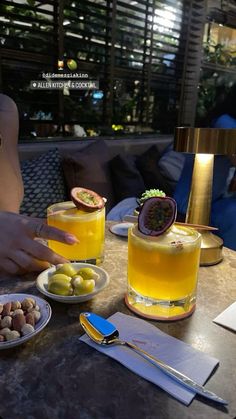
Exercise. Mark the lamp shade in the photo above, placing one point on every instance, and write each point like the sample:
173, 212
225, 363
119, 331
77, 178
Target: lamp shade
205, 140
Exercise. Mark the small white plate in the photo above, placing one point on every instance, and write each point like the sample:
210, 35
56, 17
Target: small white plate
45, 311
121, 229
100, 284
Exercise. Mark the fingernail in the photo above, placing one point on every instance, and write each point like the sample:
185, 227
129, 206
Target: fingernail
71, 239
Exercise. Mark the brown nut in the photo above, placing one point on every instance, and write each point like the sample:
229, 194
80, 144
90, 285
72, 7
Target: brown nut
36, 315
17, 311
6, 322
1, 308
12, 335
4, 331
30, 309
18, 322
26, 329
30, 319
6, 309
27, 303
15, 305
33, 309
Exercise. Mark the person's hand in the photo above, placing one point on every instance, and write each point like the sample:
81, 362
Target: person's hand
19, 252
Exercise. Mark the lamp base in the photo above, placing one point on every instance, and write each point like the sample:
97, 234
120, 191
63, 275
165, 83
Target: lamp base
211, 249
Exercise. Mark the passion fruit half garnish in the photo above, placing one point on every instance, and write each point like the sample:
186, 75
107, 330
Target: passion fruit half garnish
157, 215
86, 199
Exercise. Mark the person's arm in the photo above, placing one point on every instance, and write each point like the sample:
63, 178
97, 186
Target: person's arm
19, 252
11, 185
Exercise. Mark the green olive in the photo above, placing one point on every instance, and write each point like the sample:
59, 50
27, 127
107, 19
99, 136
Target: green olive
88, 273
66, 269
59, 278
60, 289
76, 280
60, 284
83, 286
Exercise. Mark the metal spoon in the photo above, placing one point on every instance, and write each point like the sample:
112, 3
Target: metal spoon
104, 332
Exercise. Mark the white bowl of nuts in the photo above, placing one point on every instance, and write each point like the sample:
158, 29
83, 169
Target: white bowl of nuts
22, 316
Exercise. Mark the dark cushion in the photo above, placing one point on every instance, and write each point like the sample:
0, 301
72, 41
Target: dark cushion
147, 164
126, 178
223, 216
221, 169
171, 165
230, 184
44, 183
89, 168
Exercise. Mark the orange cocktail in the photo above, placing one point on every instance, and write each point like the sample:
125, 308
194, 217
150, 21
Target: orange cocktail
88, 227
162, 272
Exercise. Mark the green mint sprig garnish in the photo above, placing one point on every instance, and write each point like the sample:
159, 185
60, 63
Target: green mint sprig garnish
151, 193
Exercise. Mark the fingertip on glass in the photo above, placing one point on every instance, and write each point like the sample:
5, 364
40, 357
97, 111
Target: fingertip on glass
71, 239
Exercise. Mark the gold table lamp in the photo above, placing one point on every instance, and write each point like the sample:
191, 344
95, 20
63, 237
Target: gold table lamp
204, 143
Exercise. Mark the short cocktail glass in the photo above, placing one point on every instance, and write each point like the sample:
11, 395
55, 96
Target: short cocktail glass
88, 227
162, 273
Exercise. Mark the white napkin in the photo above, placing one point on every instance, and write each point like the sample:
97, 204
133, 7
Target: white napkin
172, 351
228, 317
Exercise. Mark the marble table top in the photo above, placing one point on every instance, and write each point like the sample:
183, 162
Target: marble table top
55, 376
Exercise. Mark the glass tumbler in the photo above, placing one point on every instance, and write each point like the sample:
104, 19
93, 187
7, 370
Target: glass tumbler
162, 273
88, 227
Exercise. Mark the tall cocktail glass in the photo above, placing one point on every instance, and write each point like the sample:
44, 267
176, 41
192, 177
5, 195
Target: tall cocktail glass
162, 272
88, 227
